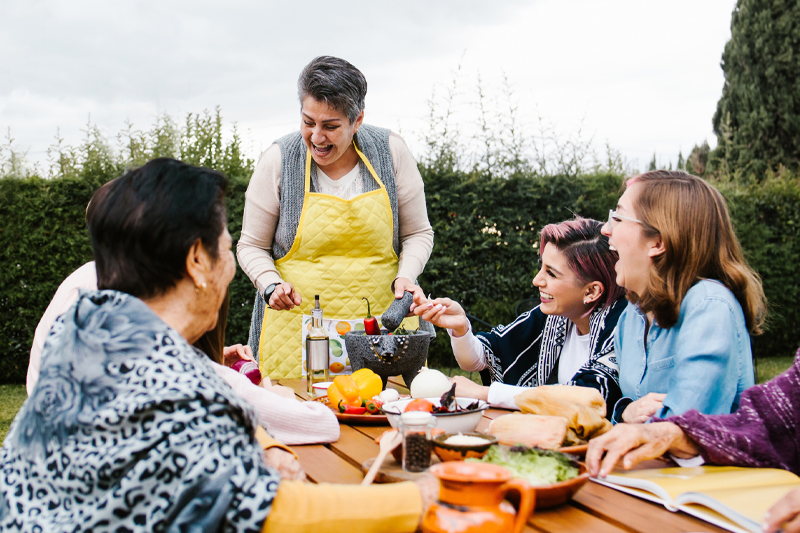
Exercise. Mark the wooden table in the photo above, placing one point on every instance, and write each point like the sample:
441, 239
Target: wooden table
595, 508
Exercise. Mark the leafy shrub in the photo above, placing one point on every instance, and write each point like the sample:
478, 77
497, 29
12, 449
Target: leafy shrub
486, 230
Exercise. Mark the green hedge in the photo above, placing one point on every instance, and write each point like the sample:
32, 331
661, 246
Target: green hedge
491, 270
485, 252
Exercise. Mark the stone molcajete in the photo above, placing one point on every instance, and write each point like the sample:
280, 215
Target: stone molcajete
391, 355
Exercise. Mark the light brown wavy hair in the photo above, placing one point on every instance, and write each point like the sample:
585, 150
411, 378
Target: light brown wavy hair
692, 219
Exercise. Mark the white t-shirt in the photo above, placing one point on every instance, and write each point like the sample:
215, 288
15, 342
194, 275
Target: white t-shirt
574, 353
346, 187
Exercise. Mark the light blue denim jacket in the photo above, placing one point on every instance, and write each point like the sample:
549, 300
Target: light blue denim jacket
703, 362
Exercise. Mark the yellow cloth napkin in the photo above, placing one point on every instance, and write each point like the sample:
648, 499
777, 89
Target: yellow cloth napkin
583, 407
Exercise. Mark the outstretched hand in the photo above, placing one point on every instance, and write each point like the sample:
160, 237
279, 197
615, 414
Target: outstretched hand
442, 312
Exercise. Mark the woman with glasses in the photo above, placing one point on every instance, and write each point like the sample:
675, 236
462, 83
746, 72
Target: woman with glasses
683, 341
568, 339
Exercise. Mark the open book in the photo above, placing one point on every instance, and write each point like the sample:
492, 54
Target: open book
732, 498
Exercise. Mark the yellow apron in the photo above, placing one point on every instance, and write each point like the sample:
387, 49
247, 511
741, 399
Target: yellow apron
343, 252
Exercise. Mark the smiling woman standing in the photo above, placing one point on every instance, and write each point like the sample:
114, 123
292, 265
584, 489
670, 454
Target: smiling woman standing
683, 343
336, 209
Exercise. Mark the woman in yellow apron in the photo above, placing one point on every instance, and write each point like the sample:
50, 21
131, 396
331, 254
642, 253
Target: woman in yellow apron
336, 209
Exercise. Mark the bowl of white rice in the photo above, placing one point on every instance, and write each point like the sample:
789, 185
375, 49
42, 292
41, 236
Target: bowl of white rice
460, 446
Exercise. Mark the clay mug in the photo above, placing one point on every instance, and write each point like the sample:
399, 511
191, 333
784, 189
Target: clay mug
471, 500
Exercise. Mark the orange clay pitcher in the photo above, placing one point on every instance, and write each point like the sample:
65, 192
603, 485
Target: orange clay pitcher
471, 500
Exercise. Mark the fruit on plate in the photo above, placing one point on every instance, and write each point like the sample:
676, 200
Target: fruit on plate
419, 405
356, 389
369, 383
344, 390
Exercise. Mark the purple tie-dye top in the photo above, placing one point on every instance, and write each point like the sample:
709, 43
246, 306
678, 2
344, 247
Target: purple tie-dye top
764, 432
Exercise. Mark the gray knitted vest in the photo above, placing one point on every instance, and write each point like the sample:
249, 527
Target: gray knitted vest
373, 143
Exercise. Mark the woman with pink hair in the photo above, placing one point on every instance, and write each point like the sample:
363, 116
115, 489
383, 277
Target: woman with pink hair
567, 339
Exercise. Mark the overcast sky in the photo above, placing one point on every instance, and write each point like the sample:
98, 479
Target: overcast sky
643, 76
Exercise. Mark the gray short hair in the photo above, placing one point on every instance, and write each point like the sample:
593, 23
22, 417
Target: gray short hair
336, 82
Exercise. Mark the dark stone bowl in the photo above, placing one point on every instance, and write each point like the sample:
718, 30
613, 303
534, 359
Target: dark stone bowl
390, 355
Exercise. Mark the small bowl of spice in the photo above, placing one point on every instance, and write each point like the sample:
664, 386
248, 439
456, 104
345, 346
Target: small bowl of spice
460, 446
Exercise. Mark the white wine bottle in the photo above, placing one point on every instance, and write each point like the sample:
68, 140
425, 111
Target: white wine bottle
317, 350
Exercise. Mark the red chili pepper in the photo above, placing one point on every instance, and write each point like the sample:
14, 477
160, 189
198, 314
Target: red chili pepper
374, 406
371, 323
351, 410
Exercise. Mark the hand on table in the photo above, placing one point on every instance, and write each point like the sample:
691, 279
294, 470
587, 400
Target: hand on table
442, 312
284, 297
633, 443
644, 408
466, 388
285, 463
280, 390
784, 515
231, 354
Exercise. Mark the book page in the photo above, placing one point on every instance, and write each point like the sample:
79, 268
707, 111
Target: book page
751, 503
706, 479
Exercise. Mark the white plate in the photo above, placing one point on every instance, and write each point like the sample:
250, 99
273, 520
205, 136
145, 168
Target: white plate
322, 387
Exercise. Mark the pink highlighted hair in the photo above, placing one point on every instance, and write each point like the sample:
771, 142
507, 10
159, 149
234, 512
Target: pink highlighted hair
587, 253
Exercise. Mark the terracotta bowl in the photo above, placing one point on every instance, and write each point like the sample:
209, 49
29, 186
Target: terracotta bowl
459, 452
552, 495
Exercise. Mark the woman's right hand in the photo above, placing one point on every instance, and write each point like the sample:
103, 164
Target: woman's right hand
442, 312
284, 297
467, 388
643, 409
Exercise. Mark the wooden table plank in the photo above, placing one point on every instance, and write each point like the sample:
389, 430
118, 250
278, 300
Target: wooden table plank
634, 513
355, 446
567, 519
324, 466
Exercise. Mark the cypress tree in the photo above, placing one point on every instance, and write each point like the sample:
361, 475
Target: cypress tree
757, 121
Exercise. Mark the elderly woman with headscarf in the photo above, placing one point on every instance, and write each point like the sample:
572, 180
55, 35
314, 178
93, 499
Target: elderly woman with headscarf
336, 209
129, 428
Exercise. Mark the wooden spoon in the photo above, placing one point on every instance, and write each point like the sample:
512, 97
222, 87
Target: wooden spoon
389, 441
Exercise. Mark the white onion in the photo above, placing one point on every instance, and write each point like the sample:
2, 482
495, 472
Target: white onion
429, 384
389, 395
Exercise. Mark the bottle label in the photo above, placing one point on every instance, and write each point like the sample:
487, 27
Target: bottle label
337, 359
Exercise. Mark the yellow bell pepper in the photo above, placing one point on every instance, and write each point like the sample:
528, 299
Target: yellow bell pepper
369, 383
344, 389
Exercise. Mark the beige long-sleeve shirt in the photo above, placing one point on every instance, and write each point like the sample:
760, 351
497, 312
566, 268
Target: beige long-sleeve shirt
262, 210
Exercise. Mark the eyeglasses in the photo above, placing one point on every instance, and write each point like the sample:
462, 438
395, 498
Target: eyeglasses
615, 218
